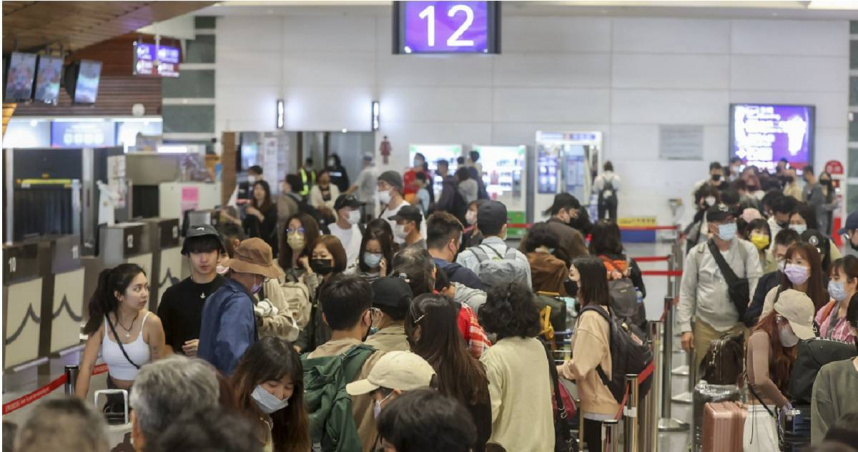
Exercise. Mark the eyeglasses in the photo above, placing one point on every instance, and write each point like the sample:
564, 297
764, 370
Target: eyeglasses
299, 230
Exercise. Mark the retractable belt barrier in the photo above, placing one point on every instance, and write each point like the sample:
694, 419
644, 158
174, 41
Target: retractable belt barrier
23, 401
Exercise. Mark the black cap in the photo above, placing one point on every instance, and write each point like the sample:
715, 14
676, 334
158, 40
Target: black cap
718, 213
347, 201
391, 294
201, 230
817, 239
851, 223
408, 213
491, 214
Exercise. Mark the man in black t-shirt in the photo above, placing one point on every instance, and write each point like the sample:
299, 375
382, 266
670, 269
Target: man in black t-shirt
181, 305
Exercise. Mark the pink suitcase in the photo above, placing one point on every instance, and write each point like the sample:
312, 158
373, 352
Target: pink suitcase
723, 426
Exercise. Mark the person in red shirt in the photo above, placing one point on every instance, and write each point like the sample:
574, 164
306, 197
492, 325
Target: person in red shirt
420, 165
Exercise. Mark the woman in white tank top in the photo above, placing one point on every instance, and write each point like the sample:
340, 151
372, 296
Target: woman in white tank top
121, 327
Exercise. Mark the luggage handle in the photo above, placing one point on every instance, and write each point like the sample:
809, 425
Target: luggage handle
107, 392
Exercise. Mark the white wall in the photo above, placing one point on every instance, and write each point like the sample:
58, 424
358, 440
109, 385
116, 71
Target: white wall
621, 76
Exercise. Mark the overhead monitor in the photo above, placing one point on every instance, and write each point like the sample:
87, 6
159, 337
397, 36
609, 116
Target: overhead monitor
82, 79
762, 134
446, 27
48, 75
20, 73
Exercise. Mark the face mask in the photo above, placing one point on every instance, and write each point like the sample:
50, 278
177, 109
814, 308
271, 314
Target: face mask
266, 401
798, 227
221, 270
727, 232
781, 266
332, 162
322, 266
571, 287
709, 200
418, 163
354, 217
399, 231
797, 274
295, 241
372, 260
256, 288
384, 197
760, 241
251, 180
716, 177
471, 217
376, 407
836, 290
788, 338
782, 224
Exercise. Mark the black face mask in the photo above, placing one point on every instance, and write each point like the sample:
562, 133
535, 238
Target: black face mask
825, 182
790, 179
571, 288
322, 266
716, 177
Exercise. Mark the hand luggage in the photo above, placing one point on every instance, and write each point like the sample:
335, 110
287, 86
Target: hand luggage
795, 429
812, 355
723, 427
705, 393
119, 433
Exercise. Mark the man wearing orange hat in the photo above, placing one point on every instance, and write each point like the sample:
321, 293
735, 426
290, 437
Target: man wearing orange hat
228, 323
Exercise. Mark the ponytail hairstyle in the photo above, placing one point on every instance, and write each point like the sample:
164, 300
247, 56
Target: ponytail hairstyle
104, 300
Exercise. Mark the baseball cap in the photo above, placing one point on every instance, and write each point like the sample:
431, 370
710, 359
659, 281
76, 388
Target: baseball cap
851, 223
408, 213
393, 178
391, 294
817, 239
395, 370
491, 213
798, 309
347, 201
201, 230
718, 213
254, 256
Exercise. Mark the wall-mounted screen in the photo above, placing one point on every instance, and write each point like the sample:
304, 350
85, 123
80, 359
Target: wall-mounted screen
150, 59
96, 134
48, 76
446, 27
82, 79
20, 73
762, 134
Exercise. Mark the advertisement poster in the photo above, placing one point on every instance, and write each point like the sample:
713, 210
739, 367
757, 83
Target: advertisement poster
270, 145
116, 178
190, 198
763, 134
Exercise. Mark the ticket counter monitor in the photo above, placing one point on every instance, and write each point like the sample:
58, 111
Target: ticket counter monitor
564, 163
22, 303
162, 235
505, 178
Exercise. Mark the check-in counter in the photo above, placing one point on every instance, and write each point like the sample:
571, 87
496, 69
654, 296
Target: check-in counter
22, 303
63, 297
162, 235
124, 243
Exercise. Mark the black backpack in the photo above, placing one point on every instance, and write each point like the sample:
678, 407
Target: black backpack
629, 355
812, 355
608, 196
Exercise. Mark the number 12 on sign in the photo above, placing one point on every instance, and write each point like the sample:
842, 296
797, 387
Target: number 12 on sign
446, 27
453, 41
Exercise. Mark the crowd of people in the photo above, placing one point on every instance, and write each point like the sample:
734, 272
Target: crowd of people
422, 329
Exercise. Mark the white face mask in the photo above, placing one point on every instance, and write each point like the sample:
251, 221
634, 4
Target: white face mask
384, 196
788, 338
251, 180
354, 217
710, 201
266, 401
399, 231
471, 217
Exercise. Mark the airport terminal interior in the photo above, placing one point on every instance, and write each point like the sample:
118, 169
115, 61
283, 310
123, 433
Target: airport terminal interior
522, 226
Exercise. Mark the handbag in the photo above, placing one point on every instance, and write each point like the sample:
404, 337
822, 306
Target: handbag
738, 288
723, 362
564, 410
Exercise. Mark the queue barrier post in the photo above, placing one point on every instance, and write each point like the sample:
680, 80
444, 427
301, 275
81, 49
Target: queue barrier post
610, 436
667, 423
71, 378
630, 414
652, 399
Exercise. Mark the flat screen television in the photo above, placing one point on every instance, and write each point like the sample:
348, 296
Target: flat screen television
762, 134
82, 79
20, 73
446, 27
48, 75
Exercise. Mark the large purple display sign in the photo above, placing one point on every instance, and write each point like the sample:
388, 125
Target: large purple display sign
762, 134
447, 27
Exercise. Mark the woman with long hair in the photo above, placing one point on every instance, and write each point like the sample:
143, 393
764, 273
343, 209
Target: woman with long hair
431, 328
268, 387
327, 259
121, 328
260, 218
770, 355
301, 233
843, 285
376, 252
803, 272
591, 349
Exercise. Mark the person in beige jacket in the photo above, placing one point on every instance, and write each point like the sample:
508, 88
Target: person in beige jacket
391, 299
591, 349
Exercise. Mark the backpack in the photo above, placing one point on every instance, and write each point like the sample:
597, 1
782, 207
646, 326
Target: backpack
332, 424
607, 196
459, 209
629, 355
624, 294
555, 309
812, 355
496, 270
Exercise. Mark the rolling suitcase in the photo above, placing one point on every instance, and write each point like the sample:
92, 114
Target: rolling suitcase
705, 393
723, 427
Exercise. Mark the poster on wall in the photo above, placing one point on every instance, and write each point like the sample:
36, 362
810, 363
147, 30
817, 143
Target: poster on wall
762, 134
116, 179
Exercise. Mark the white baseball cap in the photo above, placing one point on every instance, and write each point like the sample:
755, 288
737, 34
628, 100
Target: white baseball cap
405, 371
798, 309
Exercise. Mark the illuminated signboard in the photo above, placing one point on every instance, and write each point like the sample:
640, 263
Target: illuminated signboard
446, 27
762, 134
150, 59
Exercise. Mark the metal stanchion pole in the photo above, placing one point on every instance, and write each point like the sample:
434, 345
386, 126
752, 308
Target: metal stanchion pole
610, 441
71, 378
630, 415
667, 423
655, 389
644, 411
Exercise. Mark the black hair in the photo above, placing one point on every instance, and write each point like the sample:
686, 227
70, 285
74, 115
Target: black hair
419, 279
442, 281
444, 162
489, 230
510, 312
441, 227
807, 213
730, 196
344, 299
460, 161
474, 155
255, 169
715, 165
463, 174
229, 231
769, 197
844, 430
266, 202
852, 312
376, 229
421, 176
735, 159
606, 238
784, 204
311, 234
295, 182
541, 234
593, 283
203, 244
208, 430
103, 300
759, 223
808, 169
425, 421
337, 161
608, 166
563, 201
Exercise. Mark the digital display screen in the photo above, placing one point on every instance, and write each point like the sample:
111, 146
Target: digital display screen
150, 59
446, 27
19, 77
48, 79
83, 134
86, 88
762, 134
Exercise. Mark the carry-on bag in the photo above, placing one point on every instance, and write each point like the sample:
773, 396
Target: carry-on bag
706, 393
118, 434
723, 426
